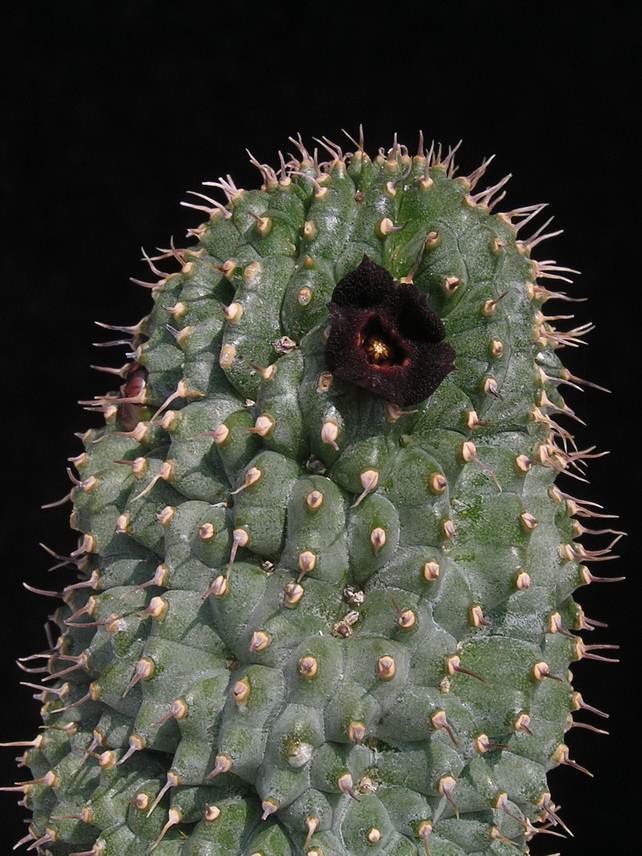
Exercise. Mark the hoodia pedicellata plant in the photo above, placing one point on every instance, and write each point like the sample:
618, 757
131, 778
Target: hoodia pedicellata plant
323, 600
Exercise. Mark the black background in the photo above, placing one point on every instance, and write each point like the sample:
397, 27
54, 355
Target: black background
115, 109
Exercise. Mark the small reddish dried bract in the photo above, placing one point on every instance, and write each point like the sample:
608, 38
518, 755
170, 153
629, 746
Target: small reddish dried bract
385, 338
134, 387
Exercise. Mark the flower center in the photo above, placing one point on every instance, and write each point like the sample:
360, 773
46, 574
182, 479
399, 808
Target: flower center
381, 345
377, 350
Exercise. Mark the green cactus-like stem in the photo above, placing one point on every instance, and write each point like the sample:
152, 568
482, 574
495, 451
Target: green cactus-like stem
311, 620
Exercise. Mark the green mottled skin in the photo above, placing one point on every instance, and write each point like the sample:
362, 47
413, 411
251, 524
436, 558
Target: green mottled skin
195, 640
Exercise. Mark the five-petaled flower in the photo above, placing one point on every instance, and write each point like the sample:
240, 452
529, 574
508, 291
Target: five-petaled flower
385, 338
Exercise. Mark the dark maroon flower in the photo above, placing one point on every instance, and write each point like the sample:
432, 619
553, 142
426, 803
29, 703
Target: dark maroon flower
385, 338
